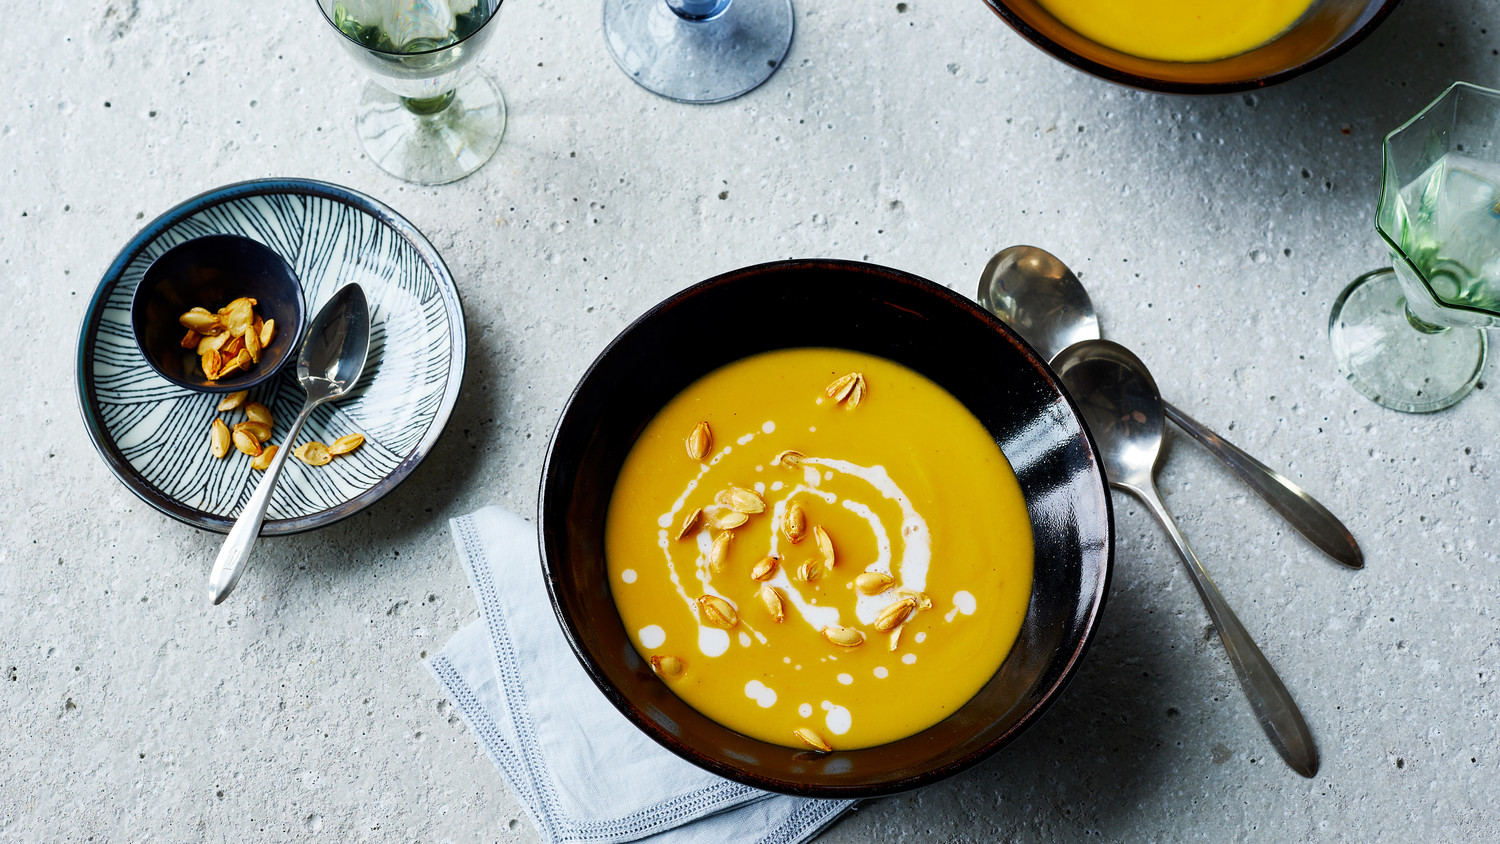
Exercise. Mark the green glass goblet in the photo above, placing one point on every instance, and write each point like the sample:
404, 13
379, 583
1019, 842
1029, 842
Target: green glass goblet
429, 116
1412, 337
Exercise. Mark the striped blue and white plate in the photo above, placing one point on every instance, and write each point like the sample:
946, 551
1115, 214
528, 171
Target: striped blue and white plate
154, 435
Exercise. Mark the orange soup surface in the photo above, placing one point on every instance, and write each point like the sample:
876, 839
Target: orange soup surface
817, 547
1179, 30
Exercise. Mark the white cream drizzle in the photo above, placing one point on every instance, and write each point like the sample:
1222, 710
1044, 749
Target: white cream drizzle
910, 571
964, 601
652, 636
712, 641
838, 720
761, 694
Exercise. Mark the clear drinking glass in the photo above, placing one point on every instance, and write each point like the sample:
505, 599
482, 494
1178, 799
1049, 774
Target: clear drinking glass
1412, 337
429, 117
698, 51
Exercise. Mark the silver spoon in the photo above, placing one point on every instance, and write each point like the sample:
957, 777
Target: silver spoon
1123, 411
333, 355
1038, 295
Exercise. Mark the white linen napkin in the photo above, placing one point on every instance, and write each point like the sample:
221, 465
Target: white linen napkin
582, 771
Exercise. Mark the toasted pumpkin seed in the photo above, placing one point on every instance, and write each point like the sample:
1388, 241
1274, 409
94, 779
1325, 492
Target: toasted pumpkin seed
923, 601
259, 430
212, 362
252, 344
666, 666
718, 553
238, 315
720, 519
689, 522
771, 597
794, 523
812, 739
896, 637
847, 390
788, 458
825, 545
896, 613
257, 412
717, 612
764, 568
218, 439
740, 500
232, 401
872, 582
844, 637
246, 443
216, 341
810, 571
202, 322
857, 394
267, 332
313, 453
263, 462
840, 388
346, 444
699, 441
190, 339
240, 363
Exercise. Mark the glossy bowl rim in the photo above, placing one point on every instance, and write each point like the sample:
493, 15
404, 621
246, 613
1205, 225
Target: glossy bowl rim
1146, 83
261, 374
717, 766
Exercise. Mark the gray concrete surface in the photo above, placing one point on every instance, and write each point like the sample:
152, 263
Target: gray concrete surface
1214, 233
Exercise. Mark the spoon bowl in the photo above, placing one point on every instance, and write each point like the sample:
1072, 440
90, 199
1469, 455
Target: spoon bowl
333, 356
1037, 295
1124, 411
1121, 406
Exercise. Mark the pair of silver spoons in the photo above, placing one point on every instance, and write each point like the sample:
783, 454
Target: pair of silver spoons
1036, 294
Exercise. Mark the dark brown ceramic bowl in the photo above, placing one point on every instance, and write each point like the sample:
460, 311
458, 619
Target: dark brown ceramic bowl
1328, 30
870, 309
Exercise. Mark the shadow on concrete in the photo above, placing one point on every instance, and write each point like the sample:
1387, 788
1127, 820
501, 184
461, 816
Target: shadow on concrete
411, 509
1101, 751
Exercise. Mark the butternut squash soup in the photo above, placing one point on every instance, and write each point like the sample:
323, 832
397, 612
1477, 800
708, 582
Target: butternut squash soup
1179, 30
819, 548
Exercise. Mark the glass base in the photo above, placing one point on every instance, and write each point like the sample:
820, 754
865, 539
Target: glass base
1392, 362
436, 148
705, 61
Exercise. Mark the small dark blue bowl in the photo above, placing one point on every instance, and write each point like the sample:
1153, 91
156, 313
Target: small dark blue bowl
210, 272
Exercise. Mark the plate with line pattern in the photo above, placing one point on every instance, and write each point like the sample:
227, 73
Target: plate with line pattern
154, 435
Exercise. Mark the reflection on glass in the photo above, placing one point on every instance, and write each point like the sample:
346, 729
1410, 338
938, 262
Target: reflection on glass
698, 51
1411, 337
429, 117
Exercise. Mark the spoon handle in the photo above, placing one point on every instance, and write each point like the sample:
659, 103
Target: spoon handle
1273, 705
1301, 510
236, 549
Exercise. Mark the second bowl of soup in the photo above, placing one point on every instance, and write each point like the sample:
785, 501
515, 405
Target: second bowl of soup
825, 528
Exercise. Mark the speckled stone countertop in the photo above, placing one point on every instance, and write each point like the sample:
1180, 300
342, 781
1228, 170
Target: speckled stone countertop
1213, 233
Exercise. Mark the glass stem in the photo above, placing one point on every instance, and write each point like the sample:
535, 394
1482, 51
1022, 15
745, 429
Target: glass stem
698, 10
428, 106
1420, 324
